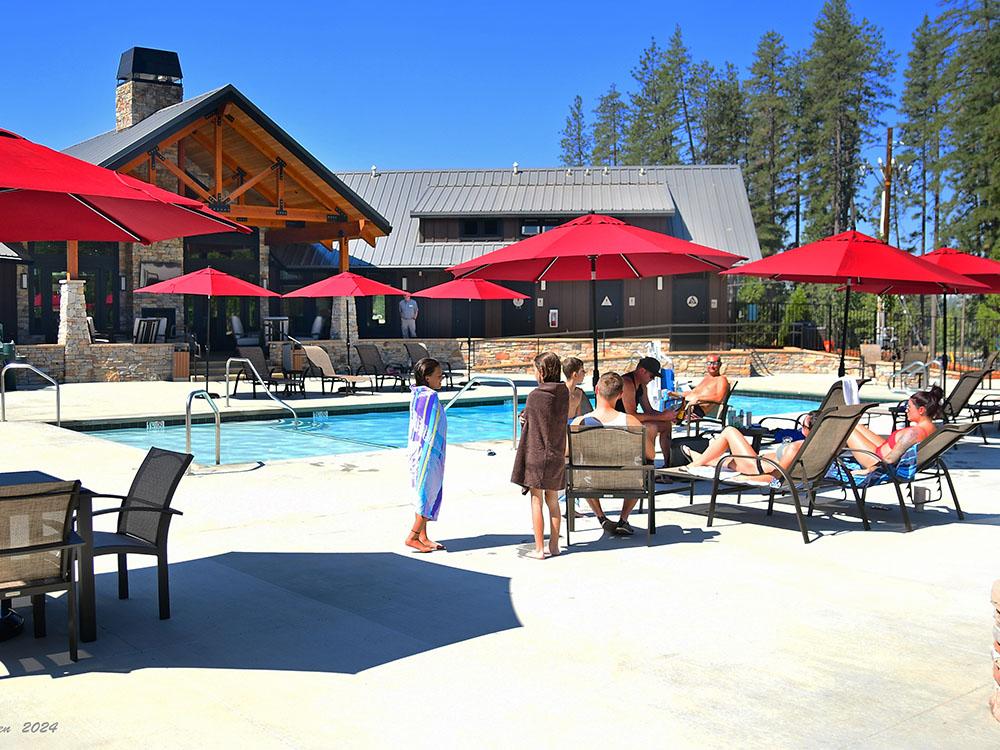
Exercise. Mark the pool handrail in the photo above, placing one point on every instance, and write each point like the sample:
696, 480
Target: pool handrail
3, 388
260, 380
210, 398
485, 379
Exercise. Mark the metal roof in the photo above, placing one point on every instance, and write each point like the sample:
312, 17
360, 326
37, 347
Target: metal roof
8, 253
116, 148
708, 204
309, 257
546, 200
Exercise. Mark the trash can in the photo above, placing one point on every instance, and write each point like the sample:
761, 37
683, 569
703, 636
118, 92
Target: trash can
8, 355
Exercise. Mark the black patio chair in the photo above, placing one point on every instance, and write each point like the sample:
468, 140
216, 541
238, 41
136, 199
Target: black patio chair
416, 351
607, 462
715, 413
957, 404
38, 548
372, 364
144, 519
256, 356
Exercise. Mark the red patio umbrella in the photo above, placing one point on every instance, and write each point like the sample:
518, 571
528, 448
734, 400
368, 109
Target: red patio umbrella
208, 283
47, 195
595, 247
469, 289
346, 284
858, 262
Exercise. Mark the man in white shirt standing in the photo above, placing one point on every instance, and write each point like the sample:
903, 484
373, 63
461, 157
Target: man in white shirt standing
408, 312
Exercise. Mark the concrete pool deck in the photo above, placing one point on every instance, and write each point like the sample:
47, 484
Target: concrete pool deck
300, 620
139, 401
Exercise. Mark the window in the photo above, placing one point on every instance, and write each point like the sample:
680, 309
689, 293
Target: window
531, 227
481, 229
491, 228
378, 309
470, 228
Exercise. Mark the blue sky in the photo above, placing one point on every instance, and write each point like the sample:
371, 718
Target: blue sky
400, 85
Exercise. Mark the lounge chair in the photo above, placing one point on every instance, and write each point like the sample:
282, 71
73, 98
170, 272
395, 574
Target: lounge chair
416, 352
144, 519
256, 356
807, 473
714, 415
834, 397
607, 462
38, 548
920, 463
956, 405
373, 365
321, 366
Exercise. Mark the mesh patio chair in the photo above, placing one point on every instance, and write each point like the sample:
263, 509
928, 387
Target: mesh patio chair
372, 364
322, 367
833, 398
920, 463
607, 462
715, 414
144, 519
416, 351
256, 356
826, 439
957, 405
38, 548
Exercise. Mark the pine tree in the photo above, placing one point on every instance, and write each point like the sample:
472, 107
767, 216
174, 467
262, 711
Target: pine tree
609, 128
691, 84
725, 123
801, 131
921, 129
576, 143
974, 116
769, 169
846, 72
650, 137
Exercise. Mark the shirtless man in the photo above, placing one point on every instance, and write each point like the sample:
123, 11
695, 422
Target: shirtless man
657, 423
712, 389
607, 392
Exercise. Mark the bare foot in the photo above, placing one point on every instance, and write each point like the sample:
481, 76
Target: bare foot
536, 554
427, 542
554, 548
413, 542
577, 514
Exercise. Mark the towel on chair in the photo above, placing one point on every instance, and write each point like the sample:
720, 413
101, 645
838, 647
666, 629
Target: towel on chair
850, 386
540, 461
428, 439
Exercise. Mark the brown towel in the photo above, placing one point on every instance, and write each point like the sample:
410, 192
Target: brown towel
540, 461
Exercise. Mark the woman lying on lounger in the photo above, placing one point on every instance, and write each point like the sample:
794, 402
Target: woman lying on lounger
731, 448
921, 408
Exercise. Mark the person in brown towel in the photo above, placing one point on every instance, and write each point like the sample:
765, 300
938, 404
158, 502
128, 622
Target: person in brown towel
540, 461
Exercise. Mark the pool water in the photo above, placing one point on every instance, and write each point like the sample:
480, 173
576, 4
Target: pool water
279, 439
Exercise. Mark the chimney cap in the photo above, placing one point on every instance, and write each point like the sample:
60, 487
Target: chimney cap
143, 63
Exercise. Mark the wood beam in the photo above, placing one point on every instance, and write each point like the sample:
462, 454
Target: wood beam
250, 183
250, 212
369, 233
218, 156
345, 258
313, 233
273, 155
232, 164
167, 142
328, 244
72, 259
183, 176
281, 187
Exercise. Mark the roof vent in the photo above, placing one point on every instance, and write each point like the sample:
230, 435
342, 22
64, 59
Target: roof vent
144, 64
516, 171
374, 171
642, 170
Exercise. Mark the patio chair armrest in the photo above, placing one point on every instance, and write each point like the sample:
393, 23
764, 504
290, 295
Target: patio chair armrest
169, 511
887, 468
74, 541
793, 420
783, 475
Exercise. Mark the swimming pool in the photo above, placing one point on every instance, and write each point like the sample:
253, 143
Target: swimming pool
339, 433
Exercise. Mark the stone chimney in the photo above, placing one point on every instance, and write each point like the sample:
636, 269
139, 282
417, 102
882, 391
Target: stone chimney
148, 81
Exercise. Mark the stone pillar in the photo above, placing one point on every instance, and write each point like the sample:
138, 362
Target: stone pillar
73, 331
341, 319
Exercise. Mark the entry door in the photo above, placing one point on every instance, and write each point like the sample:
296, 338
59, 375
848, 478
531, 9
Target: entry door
460, 322
690, 312
610, 310
518, 320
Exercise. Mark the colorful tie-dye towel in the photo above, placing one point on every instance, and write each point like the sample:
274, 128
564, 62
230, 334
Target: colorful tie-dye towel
428, 430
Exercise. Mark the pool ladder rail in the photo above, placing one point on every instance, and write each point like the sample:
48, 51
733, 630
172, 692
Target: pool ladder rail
486, 379
260, 380
3, 388
210, 398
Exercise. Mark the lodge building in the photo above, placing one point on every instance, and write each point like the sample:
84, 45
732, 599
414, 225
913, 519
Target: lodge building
401, 227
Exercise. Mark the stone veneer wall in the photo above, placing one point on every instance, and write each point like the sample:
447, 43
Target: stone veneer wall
49, 358
98, 363
137, 100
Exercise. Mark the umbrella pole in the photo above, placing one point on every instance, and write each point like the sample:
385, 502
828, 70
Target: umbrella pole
843, 336
208, 337
593, 313
347, 329
944, 343
468, 332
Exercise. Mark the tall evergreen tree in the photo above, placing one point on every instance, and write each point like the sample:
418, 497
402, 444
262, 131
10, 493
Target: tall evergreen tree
846, 72
921, 130
769, 170
800, 136
691, 84
725, 123
576, 142
650, 136
609, 128
973, 80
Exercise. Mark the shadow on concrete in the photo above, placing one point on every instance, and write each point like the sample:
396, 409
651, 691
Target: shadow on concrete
586, 540
312, 612
486, 541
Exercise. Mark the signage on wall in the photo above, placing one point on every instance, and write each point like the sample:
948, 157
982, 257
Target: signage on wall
518, 303
554, 318
692, 301
606, 302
